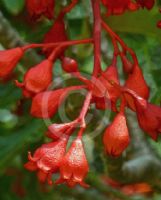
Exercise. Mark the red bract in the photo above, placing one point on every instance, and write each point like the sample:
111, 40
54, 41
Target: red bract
116, 137
57, 33
46, 159
137, 83
9, 59
146, 3
36, 8
74, 166
38, 78
118, 7
149, 117
69, 65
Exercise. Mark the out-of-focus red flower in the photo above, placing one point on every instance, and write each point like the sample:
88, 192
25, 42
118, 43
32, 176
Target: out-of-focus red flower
149, 117
138, 188
118, 7
116, 137
69, 65
74, 166
130, 189
46, 159
159, 24
137, 83
146, 3
36, 8
38, 78
108, 91
8, 60
57, 33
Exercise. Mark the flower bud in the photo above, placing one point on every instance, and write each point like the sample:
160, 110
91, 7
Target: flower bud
8, 60
45, 104
69, 65
39, 77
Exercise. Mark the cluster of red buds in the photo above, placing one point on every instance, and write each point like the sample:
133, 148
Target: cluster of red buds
54, 157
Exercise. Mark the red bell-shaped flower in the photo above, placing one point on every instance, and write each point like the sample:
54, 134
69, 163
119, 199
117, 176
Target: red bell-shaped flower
149, 117
36, 8
74, 166
57, 33
104, 90
46, 159
55, 131
137, 83
116, 137
38, 78
9, 59
118, 7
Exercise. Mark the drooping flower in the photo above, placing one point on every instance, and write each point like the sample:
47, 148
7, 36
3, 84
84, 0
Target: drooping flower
45, 104
9, 59
46, 159
74, 166
55, 131
137, 83
118, 7
57, 33
104, 90
149, 117
116, 137
36, 8
38, 78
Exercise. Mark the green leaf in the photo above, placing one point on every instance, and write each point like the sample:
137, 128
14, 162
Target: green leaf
14, 144
14, 7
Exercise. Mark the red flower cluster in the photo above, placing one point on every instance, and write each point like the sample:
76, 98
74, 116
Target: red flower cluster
103, 89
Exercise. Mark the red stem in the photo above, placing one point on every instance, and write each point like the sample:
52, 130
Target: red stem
97, 37
124, 46
70, 6
85, 109
66, 43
